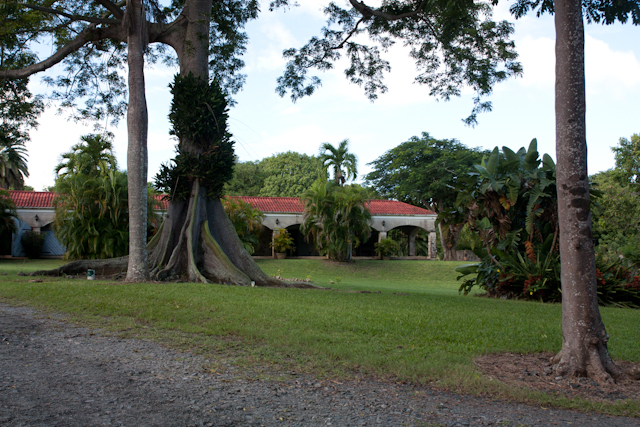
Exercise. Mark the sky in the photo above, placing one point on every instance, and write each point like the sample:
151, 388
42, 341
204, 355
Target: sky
264, 124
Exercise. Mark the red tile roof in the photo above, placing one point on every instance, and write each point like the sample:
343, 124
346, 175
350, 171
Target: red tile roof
32, 199
43, 199
293, 205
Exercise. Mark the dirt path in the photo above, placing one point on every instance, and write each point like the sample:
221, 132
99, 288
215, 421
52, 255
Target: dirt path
56, 374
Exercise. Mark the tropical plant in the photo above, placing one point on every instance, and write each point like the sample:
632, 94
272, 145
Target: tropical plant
343, 163
420, 241
512, 206
92, 157
387, 247
282, 241
8, 214
13, 163
92, 215
335, 218
246, 219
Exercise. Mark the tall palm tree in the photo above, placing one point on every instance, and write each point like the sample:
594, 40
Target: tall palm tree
13, 163
7, 213
336, 218
88, 156
339, 158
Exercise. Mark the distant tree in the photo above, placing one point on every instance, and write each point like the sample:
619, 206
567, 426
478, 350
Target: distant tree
290, 174
336, 218
88, 157
248, 180
19, 108
247, 221
13, 164
343, 163
627, 156
8, 213
616, 215
423, 171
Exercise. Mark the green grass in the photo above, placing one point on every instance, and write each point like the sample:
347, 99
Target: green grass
416, 329
372, 275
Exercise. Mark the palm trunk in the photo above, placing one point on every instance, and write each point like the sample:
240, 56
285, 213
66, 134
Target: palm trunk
584, 348
137, 125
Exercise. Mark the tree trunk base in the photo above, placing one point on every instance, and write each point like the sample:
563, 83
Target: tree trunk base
197, 243
103, 267
588, 358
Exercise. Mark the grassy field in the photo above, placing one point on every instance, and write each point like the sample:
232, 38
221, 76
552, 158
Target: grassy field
417, 328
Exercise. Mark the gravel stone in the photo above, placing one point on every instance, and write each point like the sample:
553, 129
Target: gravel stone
53, 373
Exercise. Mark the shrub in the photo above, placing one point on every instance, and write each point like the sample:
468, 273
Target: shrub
282, 241
387, 247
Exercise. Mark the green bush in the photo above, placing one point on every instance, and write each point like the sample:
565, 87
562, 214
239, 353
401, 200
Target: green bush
32, 244
282, 241
387, 247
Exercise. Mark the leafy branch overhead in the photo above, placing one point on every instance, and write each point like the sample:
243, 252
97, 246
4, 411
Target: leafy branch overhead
89, 41
453, 43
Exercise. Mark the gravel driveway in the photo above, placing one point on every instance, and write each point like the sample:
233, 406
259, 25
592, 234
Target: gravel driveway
56, 374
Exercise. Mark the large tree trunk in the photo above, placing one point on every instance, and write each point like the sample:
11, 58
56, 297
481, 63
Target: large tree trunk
449, 236
584, 348
137, 125
198, 241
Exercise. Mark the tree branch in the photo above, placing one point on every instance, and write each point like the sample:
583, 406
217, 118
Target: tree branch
87, 35
91, 19
367, 12
112, 7
351, 33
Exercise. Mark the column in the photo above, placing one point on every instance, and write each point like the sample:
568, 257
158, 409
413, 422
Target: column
433, 248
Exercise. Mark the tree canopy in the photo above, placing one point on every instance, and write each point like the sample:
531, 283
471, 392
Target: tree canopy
423, 170
454, 44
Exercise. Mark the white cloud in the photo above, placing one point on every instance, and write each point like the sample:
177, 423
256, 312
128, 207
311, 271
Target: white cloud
610, 70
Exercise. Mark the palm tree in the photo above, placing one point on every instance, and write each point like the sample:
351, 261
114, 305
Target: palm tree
336, 218
87, 156
13, 163
7, 213
339, 158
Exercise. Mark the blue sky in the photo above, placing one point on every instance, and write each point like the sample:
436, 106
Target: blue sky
264, 124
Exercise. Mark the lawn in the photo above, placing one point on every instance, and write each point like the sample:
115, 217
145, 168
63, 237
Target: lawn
413, 326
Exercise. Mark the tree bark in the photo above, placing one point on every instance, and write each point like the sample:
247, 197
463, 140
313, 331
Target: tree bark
137, 127
449, 237
198, 241
584, 348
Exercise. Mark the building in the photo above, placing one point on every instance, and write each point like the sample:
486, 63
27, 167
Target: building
36, 212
